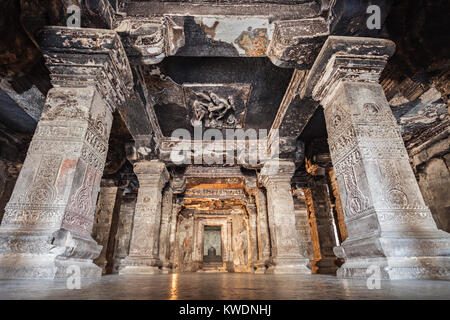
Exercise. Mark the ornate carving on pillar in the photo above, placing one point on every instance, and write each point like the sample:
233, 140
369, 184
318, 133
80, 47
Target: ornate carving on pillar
150, 40
50, 215
285, 256
388, 223
144, 246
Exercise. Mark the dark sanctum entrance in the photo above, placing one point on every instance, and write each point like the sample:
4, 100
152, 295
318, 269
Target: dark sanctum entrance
212, 244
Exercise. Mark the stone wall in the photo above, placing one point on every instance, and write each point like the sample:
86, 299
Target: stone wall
431, 163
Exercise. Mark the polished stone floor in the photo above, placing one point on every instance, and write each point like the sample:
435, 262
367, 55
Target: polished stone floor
223, 286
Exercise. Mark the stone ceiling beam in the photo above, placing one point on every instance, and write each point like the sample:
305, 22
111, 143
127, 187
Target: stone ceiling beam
296, 43
292, 117
270, 10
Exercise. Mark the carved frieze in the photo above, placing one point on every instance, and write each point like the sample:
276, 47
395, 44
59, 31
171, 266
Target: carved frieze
217, 105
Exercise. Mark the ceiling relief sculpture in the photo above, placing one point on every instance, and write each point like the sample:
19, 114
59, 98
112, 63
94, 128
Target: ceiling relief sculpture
220, 106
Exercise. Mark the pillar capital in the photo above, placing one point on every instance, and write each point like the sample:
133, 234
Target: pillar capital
277, 171
354, 59
87, 57
151, 173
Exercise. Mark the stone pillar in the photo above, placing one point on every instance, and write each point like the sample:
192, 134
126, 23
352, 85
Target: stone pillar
389, 226
319, 207
166, 215
144, 247
286, 258
125, 224
253, 240
340, 220
173, 230
48, 221
302, 224
263, 232
103, 218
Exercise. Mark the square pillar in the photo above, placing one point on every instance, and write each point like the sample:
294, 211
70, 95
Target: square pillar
262, 232
253, 239
109, 201
319, 207
144, 246
48, 221
164, 235
286, 258
389, 225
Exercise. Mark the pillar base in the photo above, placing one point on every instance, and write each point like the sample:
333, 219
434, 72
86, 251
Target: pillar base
427, 257
139, 270
46, 255
432, 268
289, 266
139, 265
327, 266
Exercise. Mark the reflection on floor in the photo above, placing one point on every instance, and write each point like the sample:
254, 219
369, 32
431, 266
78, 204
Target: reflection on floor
223, 286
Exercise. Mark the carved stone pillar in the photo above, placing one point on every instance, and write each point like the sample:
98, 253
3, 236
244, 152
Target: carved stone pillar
166, 214
144, 246
48, 221
253, 234
286, 258
340, 220
319, 207
173, 230
125, 224
263, 232
106, 204
302, 224
388, 223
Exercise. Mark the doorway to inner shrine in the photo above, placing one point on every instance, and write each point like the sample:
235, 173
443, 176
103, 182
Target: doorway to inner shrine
212, 244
